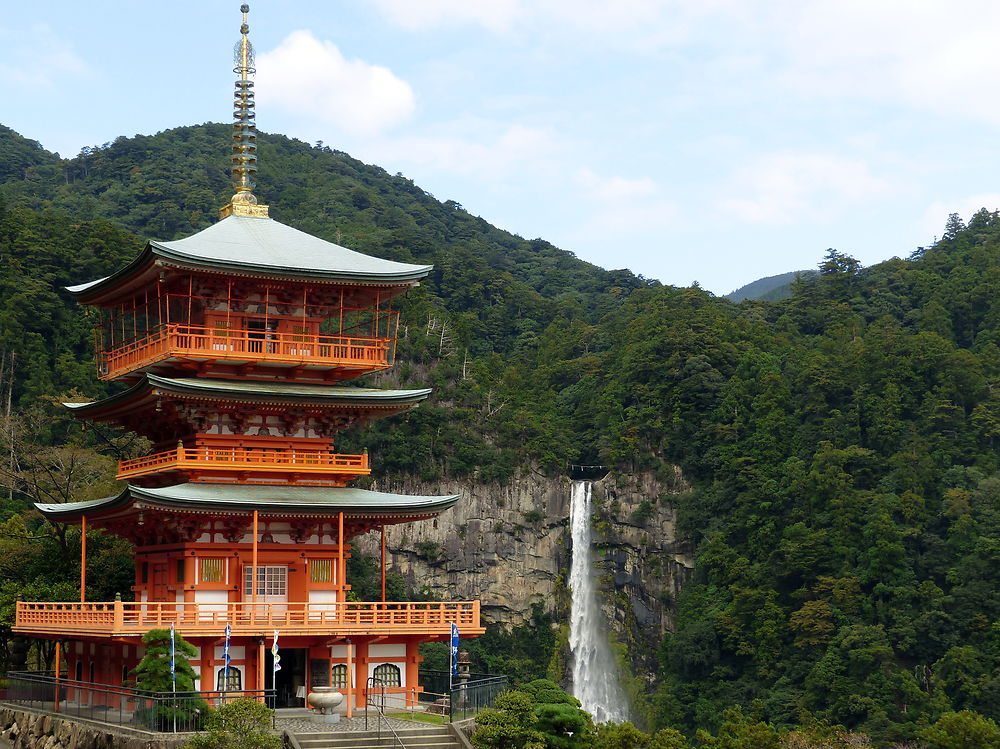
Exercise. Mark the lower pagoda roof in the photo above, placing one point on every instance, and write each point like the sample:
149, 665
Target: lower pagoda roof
243, 499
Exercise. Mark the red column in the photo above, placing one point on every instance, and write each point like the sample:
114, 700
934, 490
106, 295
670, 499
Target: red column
413, 660
83, 558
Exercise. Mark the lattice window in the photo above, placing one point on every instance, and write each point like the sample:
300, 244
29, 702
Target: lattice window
300, 332
213, 570
222, 328
321, 570
233, 684
271, 581
388, 674
339, 674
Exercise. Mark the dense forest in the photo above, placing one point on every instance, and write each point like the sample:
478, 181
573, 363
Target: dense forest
841, 443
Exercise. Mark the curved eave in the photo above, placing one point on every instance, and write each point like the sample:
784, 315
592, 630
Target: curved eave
286, 272
114, 285
257, 392
243, 499
246, 246
281, 391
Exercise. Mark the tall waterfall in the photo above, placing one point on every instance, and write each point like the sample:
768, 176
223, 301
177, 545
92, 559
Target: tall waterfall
595, 673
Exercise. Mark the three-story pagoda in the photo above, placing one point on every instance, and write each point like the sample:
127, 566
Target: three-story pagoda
235, 345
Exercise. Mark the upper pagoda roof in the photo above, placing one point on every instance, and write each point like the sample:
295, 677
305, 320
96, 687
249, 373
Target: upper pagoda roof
244, 498
262, 247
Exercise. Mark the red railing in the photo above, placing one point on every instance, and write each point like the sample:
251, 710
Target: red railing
353, 617
198, 342
242, 459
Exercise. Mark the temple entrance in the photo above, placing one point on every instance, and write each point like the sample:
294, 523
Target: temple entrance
290, 682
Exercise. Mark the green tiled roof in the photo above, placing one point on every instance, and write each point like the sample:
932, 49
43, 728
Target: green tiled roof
301, 500
268, 247
260, 391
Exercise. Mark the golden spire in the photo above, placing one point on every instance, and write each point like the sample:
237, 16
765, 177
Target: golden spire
244, 202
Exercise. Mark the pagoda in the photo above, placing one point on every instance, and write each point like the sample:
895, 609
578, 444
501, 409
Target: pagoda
233, 346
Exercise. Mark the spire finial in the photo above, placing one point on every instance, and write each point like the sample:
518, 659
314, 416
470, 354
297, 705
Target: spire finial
244, 158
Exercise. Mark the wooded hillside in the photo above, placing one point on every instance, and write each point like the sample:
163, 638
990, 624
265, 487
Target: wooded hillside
842, 443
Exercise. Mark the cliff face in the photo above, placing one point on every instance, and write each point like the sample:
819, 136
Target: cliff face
509, 546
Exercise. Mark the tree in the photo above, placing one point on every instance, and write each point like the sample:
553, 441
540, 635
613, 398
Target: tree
560, 718
153, 674
509, 724
740, 732
242, 724
620, 736
963, 730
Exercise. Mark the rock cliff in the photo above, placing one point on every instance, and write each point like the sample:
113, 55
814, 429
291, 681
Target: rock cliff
509, 546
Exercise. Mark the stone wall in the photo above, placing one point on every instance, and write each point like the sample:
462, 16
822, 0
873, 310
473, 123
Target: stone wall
26, 729
510, 547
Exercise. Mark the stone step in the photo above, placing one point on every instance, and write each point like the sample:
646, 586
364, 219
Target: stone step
385, 741
426, 738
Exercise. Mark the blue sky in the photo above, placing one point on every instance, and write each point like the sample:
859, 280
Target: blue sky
716, 141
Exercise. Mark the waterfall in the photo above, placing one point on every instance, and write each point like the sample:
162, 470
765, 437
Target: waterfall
595, 673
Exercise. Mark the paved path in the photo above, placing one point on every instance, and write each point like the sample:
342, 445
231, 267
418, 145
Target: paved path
303, 723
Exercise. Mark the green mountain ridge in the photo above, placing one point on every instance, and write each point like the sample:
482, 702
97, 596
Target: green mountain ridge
841, 444
769, 288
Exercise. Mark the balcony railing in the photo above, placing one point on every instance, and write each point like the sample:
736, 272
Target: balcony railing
241, 459
242, 346
123, 618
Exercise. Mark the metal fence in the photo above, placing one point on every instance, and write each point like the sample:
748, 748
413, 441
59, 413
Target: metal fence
165, 712
466, 695
468, 698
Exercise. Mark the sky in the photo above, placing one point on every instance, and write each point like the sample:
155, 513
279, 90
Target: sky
709, 141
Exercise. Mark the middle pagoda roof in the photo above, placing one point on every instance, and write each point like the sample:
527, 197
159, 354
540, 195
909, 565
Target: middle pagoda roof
239, 499
151, 388
253, 246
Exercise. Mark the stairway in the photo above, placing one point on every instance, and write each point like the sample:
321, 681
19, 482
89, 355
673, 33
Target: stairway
435, 737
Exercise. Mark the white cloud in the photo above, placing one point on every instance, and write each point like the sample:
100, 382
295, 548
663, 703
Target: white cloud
781, 188
37, 57
934, 56
496, 15
614, 188
934, 218
622, 207
509, 151
641, 218
666, 19
307, 76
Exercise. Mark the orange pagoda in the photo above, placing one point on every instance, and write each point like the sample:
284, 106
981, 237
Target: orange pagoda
234, 345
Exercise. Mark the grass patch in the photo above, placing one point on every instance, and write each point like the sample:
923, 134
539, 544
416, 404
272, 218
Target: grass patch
437, 720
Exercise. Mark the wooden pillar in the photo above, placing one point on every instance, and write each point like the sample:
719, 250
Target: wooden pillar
58, 660
260, 669
206, 679
341, 563
361, 660
83, 558
412, 664
253, 566
189, 579
350, 678
383, 562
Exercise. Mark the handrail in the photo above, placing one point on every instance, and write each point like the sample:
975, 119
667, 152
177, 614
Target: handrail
380, 708
245, 617
235, 343
117, 704
306, 461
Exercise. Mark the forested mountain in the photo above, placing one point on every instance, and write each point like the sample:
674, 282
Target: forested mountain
841, 443
771, 288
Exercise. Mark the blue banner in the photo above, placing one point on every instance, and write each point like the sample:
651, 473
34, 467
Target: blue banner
454, 649
226, 659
